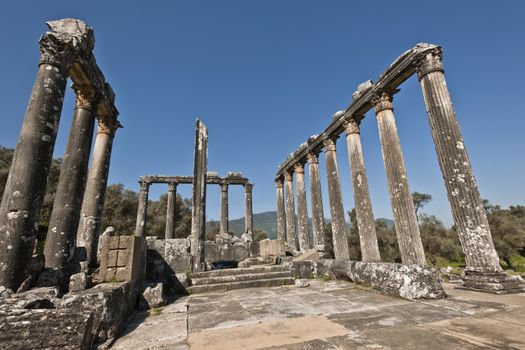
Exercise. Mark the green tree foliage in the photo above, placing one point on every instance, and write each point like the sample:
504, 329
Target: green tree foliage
438, 241
508, 231
387, 242
354, 248
420, 199
120, 209
328, 241
259, 235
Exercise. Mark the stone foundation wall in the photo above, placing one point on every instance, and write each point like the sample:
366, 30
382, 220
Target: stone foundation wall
400, 280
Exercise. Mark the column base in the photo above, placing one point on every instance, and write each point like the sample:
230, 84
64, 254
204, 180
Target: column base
492, 282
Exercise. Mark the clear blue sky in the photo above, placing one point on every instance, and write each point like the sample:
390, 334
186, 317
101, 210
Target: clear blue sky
264, 75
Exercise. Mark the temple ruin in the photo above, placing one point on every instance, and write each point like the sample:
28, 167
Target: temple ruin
483, 271
83, 290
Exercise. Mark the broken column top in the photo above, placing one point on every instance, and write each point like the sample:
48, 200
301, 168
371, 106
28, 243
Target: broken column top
73, 29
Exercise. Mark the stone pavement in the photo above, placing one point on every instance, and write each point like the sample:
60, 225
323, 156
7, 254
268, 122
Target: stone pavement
330, 315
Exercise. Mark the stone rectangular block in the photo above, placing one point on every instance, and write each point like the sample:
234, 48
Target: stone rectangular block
274, 247
122, 265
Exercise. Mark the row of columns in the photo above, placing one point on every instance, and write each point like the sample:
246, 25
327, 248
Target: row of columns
79, 189
467, 207
171, 218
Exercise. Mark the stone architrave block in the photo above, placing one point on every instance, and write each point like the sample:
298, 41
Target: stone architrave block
274, 247
122, 258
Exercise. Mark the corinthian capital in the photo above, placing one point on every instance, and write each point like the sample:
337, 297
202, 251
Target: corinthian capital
56, 52
86, 97
312, 158
383, 99
351, 127
107, 125
429, 62
298, 168
288, 176
329, 144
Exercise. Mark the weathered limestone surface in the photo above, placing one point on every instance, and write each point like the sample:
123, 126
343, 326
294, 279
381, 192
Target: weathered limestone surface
63, 224
405, 220
226, 252
248, 210
337, 211
23, 329
198, 209
223, 227
93, 203
122, 258
25, 187
363, 204
405, 281
467, 207
142, 211
271, 247
281, 214
316, 201
170, 211
291, 243
302, 211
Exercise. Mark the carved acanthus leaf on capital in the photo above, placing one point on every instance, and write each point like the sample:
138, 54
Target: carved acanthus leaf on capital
312, 158
430, 62
172, 187
86, 96
329, 144
56, 52
224, 187
279, 182
144, 186
352, 127
288, 176
248, 187
383, 99
107, 125
298, 168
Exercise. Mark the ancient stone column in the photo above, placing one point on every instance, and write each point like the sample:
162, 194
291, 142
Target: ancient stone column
405, 220
223, 225
483, 270
198, 209
281, 215
291, 243
363, 205
170, 210
26, 184
302, 211
63, 225
337, 212
248, 209
142, 210
93, 203
316, 200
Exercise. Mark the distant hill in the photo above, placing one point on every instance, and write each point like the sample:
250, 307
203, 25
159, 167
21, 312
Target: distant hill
267, 222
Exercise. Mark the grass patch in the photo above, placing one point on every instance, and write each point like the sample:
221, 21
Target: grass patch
156, 311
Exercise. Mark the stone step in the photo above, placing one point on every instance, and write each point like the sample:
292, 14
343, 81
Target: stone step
273, 282
239, 271
240, 278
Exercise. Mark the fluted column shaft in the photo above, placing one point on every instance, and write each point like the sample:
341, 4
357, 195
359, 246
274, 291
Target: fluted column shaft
405, 220
363, 205
467, 207
302, 210
93, 202
63, 224
142, 210
248, 210
170, 211
316, 201
281, 215
290, 213
224, 209
337, 212
26, 184
198, 208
